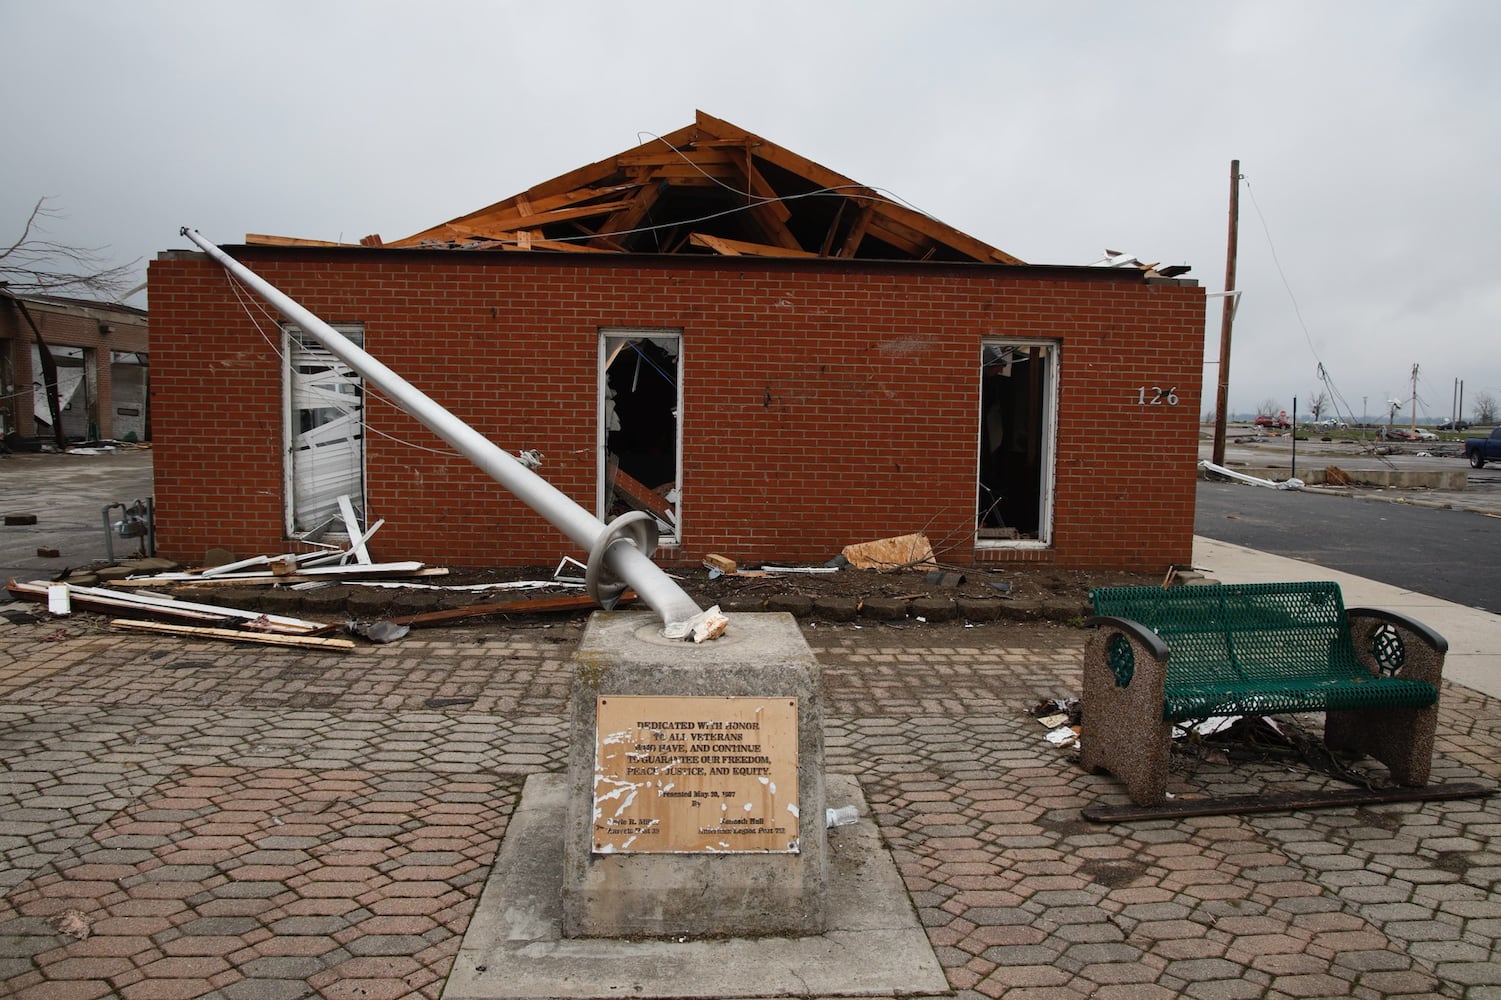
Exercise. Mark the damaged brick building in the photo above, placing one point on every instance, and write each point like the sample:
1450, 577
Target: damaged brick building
98, 357
771, 359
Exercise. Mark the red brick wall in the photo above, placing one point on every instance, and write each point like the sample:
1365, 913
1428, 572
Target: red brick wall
823, 403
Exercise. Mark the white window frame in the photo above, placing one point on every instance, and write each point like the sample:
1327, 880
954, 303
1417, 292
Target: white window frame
1049, 431
672, 535
335, 530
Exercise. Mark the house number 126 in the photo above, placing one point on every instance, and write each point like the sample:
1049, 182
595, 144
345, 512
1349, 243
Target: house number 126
1158, 395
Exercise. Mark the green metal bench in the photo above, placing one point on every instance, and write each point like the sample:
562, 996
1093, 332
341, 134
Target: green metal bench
1164, 655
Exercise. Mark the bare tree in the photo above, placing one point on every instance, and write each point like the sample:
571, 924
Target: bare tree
1268, 408
1316, 404
34, 263
1485, 408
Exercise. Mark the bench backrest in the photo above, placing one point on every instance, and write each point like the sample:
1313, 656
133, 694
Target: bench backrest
1256, 632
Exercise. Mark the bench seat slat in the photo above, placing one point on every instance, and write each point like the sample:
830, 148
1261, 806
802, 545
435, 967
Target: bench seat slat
1194, 701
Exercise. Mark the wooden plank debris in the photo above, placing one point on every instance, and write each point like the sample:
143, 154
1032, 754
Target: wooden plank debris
236, 635
642, 497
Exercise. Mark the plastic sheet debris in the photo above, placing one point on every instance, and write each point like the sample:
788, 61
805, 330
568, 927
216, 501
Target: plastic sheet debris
1063, 736
379, 631
1241, 477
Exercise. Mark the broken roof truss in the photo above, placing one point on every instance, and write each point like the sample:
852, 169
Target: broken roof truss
709, 188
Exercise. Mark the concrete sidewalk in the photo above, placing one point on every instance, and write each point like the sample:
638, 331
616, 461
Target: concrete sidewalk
1474, 636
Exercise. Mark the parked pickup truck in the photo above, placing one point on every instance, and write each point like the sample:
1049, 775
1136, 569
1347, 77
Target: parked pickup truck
1482, 450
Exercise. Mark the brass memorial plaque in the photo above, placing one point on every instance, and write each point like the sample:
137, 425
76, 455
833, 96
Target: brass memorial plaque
695, 775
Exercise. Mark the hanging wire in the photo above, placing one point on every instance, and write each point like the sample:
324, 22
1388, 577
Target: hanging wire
1342, 408
241, 294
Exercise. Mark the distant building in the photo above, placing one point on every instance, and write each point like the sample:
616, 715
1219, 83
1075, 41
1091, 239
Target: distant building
771, 359
101, 354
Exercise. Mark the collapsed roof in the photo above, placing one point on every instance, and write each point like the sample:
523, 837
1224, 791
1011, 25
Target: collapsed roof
708, 188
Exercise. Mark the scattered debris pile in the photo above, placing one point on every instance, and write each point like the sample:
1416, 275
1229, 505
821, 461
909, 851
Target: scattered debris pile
1224, 740
322, 599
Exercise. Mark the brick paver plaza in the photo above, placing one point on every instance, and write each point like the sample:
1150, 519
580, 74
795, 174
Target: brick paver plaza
184, 819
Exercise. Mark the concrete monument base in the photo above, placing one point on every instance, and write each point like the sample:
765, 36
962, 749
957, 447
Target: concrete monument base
670, 881
515, 947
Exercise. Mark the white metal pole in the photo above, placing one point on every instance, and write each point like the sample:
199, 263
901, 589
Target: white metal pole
618, 551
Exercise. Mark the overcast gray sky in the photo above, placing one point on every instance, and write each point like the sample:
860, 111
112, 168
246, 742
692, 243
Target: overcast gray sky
1367, 133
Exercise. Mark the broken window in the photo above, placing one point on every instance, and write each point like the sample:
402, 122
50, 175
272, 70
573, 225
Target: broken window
76, 391
1017, 403
639, 402
325, 433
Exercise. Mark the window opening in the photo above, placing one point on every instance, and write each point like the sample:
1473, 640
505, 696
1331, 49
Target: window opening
325, 434
1017, 401
639, 405
76, 390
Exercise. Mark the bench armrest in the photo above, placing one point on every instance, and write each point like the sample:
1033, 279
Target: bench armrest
1136, 630
1435, 641
1420, 649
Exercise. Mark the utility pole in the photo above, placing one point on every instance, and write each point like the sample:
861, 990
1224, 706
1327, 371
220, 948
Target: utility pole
1414, 412
1227, 316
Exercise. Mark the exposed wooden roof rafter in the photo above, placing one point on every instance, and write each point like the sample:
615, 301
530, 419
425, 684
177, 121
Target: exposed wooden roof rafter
709, 186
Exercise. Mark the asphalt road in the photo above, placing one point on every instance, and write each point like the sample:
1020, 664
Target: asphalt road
1449, 554
67, 495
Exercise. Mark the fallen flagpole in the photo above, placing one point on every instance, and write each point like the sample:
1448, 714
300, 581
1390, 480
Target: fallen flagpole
619, 552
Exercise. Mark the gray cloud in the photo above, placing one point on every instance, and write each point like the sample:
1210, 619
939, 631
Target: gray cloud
1366, 132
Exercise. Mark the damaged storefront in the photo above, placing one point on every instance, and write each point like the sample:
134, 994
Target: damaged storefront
72, 370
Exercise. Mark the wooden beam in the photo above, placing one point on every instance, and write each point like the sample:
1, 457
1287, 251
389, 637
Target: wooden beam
858, 229
595, 172
828, 240
661, 157
766, 209
493, 229
508, 212
898, 218
823, 177
757, 185
263, 240
564, 246
628, 218
235, 635
641, 496
736, 248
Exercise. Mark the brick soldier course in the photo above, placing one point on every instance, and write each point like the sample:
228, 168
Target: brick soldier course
263, 824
